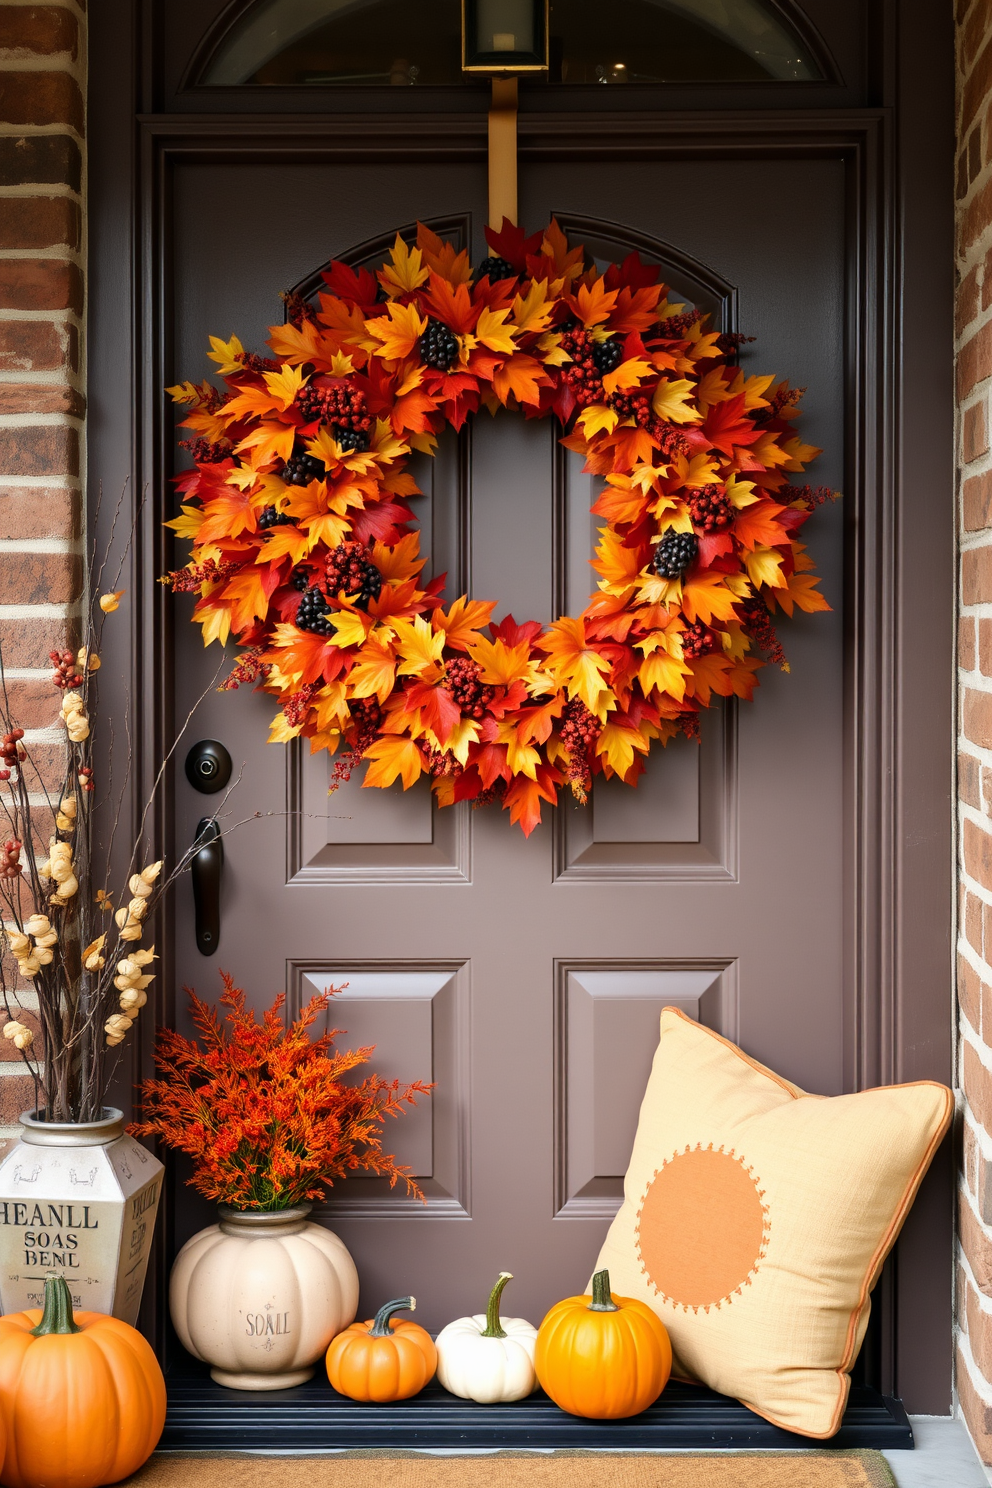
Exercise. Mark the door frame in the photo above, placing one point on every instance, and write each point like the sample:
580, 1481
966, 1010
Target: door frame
899, 419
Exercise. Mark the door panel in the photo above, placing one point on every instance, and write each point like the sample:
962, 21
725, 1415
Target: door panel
525, 977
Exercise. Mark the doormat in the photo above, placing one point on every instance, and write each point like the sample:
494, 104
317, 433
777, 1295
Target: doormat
863, 1469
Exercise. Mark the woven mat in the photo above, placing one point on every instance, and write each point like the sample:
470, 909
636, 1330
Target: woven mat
522, 1470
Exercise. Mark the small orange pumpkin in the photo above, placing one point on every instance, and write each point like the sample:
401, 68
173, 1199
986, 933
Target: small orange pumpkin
383, 1359
603, 1356
82, 1398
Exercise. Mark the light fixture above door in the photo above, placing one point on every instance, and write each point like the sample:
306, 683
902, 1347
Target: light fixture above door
504, 38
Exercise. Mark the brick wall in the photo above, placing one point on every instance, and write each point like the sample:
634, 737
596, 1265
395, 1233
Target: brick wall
42, 283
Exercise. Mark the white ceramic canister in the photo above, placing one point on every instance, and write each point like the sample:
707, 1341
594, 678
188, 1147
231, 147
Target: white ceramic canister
260, 1296
78, 1200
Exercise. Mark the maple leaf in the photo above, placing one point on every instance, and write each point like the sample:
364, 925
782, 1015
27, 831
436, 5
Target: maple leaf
566, 262
618, 564
756, 524
420, 648
438, 710
764, 566
285, 384
269, 442
595, 418
285, 542
618, 743
357, 285
664, 672
391, 759
726, 426
671, 401
462, 621
443, 258
800, 589
636, 308
712, 673
521, 757
511, 243
706, 597
799, 454
350, 627
712, 387
521, 377
501, 664
228, 514
593, 303
374, 674
304, 343
406, 272
451, 304
398, 331
533, 311
229, 355
492, 331
629, 374
576, 664
524, 796
621, 501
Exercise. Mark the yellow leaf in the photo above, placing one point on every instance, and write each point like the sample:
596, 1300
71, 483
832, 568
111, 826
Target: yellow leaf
269, 441
285, 384
215, 623
618, 745
393, 758
189, 524
799, 454
374, 675
350, 628
618, 564
741, 492
666, 673
493, 332
596, 417
671, 401
418, 644
577, 664
227, 354
628, 375
407, 271
398, 331
502, 665
764, 566
462, 736
532, 312
523, 759
281, 731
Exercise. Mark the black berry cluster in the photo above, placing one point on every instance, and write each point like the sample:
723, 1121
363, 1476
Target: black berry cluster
300, 469
494, 269
438, 346
697, 640
349, 569
676, 552
270, 516
312, 612
607, 354
710, 508
300, 579
344, 408
461, 679
65, 673
582, 374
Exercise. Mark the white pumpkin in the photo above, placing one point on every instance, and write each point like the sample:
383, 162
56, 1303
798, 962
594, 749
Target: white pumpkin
488, 1358
260, 1296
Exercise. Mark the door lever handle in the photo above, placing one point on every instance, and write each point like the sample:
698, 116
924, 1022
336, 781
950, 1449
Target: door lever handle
206, 871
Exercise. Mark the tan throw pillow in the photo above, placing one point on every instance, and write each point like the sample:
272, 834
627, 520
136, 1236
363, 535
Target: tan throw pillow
756, 1219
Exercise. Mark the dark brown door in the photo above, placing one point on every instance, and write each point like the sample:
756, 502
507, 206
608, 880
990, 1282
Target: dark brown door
526, 977
788, 880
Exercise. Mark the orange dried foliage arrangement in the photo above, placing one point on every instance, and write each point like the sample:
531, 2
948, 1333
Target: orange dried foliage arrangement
264, 1111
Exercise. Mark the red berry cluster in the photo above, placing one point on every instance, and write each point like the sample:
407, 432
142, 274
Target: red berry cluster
671, 441
581, 373
10, 859
86, 780
731, 341
579, 728
366, 715
756, 622
206, 453
813, 496
782, 405
710, 508
438, 762
252, 362
346, 568
65, 674
674, 327
11, 751
461, 679
697, 640
298, 309
336, 404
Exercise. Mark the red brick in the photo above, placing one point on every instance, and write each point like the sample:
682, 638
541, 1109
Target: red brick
961, 176
977, 717
41, 98
33, 702
40, 578
986, 795
40, 159
970, 994
39, 222
40, 284
979, 1334
974, 434
37, 31
26, 643
966, 304
976, 218
976, 574
976, 501
976, 1413
972, 34
33, 397
976, 86
968, 787
975, 359
969, 1158
976, 1246
966, 643
973, 934
33, 346
16, 1095
45, 449
39, 511
978, 1087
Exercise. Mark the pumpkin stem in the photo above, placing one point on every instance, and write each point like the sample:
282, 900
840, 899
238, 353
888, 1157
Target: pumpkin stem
602, 1299
380, 1327
57, 1316
494, 1328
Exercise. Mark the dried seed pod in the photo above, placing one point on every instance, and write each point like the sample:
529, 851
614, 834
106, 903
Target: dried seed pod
92, 958
143, 958
137, 909
12, 1028
138, 887
24, 1040
131, 931
110, 602
37, 924
19, 944
132, 1001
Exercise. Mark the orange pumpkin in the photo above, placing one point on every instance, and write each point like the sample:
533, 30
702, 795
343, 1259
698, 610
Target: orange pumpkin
383, 1359
603, 1356
82, 1398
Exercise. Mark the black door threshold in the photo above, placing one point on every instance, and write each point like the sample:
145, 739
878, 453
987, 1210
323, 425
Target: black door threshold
204, 1417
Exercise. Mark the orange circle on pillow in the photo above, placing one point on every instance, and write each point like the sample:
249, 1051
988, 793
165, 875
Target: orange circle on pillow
701, 1227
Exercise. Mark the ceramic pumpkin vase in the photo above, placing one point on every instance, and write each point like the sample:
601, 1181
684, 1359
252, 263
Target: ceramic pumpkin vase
260, 1296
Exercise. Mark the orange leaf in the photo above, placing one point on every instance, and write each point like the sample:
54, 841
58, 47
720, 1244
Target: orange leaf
706, 597
463, 621
756, 524
524, 796
391, 759
521, 377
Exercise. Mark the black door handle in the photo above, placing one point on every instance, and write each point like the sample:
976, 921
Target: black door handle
206, 870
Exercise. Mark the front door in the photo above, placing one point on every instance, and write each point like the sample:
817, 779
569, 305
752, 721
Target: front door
750, 879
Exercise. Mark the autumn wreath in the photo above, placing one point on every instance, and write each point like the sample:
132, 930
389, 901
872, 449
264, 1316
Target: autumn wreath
297, 509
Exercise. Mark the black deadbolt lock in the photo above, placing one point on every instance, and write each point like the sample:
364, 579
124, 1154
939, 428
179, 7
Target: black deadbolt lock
208, 766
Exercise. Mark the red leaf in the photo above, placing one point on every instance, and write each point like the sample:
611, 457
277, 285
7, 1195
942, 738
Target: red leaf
726, 425
512, 243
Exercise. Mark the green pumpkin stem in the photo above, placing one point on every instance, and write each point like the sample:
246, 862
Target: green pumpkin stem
380, 1327
602, 1300
494, 1328
57, 1316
